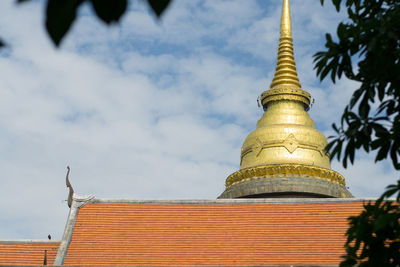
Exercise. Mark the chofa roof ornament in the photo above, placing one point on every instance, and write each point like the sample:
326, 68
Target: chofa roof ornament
71, 190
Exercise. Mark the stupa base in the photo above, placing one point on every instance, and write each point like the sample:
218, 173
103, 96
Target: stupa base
286, 187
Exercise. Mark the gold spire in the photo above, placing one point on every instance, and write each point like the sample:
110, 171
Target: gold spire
285, 154
286, 25
285, 73
286, 84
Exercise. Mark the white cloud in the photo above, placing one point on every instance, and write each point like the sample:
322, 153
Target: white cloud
146, 109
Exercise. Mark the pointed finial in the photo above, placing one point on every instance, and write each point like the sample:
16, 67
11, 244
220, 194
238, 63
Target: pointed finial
286, 25
285, 73
285, 85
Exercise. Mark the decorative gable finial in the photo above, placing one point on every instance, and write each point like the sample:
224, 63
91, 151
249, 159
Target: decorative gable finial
71, 190
45, 257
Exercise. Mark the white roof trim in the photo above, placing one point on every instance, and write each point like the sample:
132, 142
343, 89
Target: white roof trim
237, 201
34, 241
77, 203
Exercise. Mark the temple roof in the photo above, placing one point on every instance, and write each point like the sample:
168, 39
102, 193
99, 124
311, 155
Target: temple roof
232, 232
27, 252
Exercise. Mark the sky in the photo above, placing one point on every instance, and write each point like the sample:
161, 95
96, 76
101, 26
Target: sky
147, 108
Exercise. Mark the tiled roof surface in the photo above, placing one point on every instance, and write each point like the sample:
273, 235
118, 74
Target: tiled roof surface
27, 253
210, 234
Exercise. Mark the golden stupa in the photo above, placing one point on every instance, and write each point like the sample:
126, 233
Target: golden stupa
285, 156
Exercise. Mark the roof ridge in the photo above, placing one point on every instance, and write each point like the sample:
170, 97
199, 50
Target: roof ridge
232, 201
34, 241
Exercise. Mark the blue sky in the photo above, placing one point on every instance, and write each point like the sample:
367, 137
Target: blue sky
148, 109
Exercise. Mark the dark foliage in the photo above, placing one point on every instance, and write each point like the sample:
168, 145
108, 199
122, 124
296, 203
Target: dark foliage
373, 238
371, 38
371, 120
109, 11
60, 14
59, 17
158, 6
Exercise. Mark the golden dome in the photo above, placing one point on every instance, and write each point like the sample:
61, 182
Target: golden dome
285, 156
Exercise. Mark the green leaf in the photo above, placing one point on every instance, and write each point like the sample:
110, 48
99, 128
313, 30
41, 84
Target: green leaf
381, 92
364, 107
335, 127
339, 149
341, 30
348, 153
393, 156
334, 66
109, 10
324, 72
60, 14
337, 4
158, 6
383, 152
390, 191
328, 38
351, 152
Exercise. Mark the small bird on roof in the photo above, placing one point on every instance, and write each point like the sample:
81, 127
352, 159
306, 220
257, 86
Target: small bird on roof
49, 237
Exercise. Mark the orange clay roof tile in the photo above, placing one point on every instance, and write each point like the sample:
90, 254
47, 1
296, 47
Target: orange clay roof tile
27, 253
210, 234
